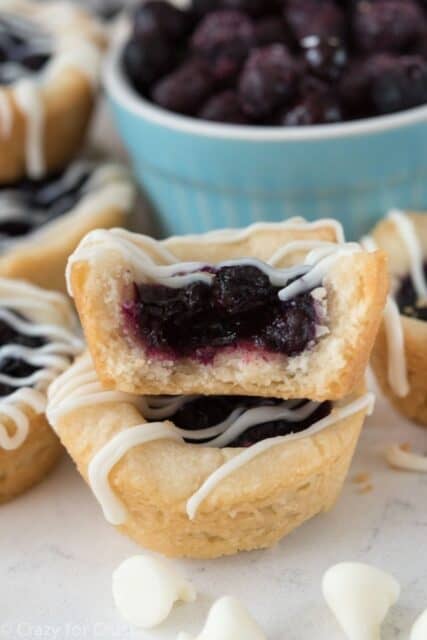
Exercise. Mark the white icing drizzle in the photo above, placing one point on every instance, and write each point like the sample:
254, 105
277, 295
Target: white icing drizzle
296, 245
109, 185
28, 98
321, 259
52, 358
408, 234
72, 45
398, 458
78, 387
10, 408
135, 249
396, 358
5, 114
234, 235
240, 419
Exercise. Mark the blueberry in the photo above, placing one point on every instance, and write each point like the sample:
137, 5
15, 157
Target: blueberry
202, 7
292, 329
254, 8
355, 86
15, 228
204, 412
385, 83
224, 107
242, 288
387, 25
34, 61
14, 366
157, 18
271, 30
186, 89
224, 39
325, 57
406, 299
16, 48
268, 81
321, 18
402, 86
313, 109
144, 64
166, 303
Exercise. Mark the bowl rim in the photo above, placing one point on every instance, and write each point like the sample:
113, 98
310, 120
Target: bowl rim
120, 91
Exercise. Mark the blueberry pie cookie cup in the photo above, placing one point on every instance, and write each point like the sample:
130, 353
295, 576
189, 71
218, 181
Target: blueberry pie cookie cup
38, 341
284, 310
50, 55
183, 491
399, 357
43, 221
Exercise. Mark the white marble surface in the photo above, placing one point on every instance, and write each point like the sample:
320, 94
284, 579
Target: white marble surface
57, 553
57, 556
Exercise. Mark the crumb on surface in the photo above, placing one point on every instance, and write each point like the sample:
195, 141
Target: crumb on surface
367, 488
362, 478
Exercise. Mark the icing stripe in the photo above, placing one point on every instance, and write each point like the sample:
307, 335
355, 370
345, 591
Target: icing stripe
408, 234
10, 407
407, 460
234, 235
52, 358
397, 374
29, 100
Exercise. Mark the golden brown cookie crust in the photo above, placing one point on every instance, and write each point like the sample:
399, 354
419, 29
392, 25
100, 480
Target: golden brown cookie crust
414, 405
328, 371
24, 467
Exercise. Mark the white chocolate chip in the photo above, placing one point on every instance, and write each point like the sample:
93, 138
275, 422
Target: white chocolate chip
407, 460
228, 620
360, 597
419, 630
146, 588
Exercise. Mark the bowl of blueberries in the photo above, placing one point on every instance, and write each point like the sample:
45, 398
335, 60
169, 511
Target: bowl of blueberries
239, 111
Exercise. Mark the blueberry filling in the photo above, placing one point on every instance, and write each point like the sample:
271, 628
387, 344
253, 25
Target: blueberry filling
406, 299
253, 61
16, 367
208, 411
24, 48
32, 203
240, 308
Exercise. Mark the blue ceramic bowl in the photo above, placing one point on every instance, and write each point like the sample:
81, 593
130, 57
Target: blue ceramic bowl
201, 175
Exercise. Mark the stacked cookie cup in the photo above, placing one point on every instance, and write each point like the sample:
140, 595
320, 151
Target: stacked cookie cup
222, 396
